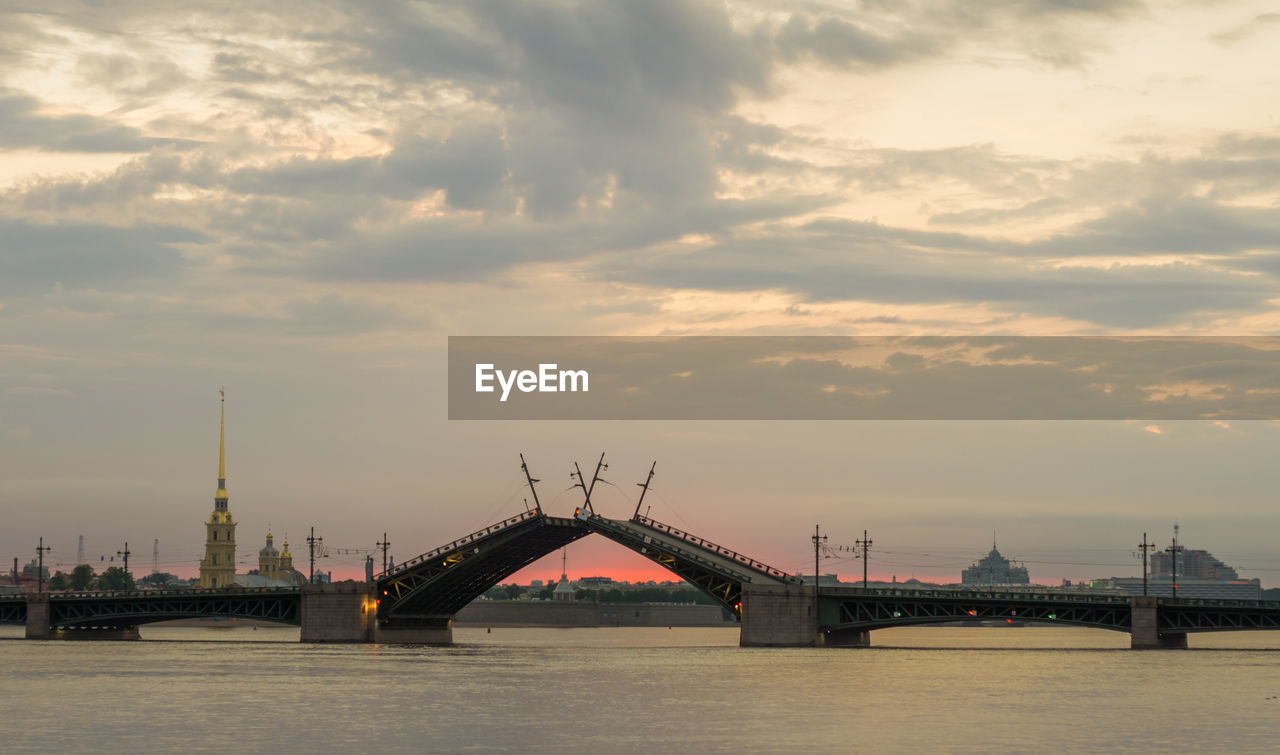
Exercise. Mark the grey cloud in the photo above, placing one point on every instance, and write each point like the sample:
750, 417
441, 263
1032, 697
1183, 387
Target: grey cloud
332, 314
834, 41
22, 126
1246, 30
37, 258
467, 249
842, 260
1171, 225
131, 74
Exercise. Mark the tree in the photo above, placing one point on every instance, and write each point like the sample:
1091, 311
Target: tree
81, 577
513, 592
115, 578
59, 581
158, 579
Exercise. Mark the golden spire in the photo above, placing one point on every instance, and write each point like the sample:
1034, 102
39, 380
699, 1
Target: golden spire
221, 495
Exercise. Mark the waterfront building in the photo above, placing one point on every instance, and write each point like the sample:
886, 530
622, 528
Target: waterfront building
995, 569
218, 567
563, 591
1196, 564
275, 568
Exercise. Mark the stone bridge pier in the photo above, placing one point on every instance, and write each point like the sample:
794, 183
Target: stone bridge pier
1144, 628
38, 617
342, 612
778, 615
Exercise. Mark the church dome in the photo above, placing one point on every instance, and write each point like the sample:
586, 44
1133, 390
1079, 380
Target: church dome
268, 550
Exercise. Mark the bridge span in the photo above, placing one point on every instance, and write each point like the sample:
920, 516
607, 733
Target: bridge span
416, 601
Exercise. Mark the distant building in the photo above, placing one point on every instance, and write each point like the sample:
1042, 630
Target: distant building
1196, 564
995, 569
1200, 575
823, 579
275, 568
595, 583
564, 591
218, 568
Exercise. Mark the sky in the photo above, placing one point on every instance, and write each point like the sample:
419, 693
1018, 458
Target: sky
302, 201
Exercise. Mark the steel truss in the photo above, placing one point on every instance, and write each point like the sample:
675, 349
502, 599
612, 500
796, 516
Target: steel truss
871, 609
13, 610
1179, 617
120, 610
717, 571
433, 587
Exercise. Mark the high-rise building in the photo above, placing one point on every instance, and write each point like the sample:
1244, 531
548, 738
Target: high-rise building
1196, 564
218, 568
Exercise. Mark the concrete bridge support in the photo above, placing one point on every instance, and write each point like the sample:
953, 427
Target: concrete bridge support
38, 617
1144, 633
777, 615
342, 612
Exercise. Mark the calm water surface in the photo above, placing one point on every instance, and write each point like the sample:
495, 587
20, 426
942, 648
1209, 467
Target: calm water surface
640, 689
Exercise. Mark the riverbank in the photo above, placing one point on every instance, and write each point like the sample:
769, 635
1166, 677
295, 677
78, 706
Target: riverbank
550, 613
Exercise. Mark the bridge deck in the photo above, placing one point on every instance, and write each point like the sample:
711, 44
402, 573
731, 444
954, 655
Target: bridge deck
712, 552
854, 608
431, 588
717, 571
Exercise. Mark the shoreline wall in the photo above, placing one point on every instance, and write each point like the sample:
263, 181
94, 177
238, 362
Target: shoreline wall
551, 613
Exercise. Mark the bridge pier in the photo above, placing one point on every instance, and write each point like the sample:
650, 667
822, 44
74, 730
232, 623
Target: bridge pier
1144, 627
778, 615
38, 626
342, 612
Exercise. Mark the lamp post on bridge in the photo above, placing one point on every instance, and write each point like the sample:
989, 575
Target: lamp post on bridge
125, 553
384, 544
41, 549
864, 544
818, 541
312, 542
1145, 546
1172, 550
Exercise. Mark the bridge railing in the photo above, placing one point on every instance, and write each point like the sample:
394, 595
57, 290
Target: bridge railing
961, 593
1218, 602
474, 536
705, 544
170, 593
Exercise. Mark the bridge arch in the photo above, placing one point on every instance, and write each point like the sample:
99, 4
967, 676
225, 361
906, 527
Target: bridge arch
427, 591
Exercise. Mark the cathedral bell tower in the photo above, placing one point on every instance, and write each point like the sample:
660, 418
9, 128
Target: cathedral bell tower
218, 568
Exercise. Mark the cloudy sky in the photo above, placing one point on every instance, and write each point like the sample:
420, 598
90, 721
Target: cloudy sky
301, 201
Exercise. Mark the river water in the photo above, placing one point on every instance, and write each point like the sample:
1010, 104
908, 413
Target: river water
1032, 689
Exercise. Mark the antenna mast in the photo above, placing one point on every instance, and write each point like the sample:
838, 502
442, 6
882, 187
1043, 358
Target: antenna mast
536, 505
819, 542
587, 489
644, 488
1145, 546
